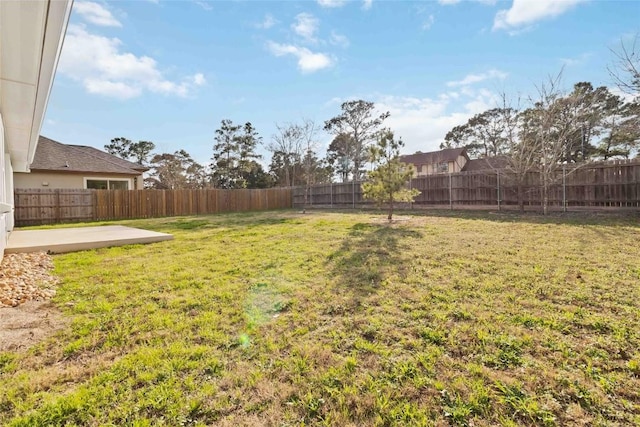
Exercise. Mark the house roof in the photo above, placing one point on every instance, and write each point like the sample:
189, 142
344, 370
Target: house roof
486, 163
54, 156
446, 155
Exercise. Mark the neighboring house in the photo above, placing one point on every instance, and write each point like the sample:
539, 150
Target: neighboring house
31, 35
486, 164
58, 165
449, 160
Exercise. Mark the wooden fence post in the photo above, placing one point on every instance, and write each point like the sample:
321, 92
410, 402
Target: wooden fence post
58, 218
498, 174
564, 188
353, 192
450, 192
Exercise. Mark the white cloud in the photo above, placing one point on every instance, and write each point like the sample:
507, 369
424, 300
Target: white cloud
199, 80
578, 60
423, 122
366, 4
96, 14
204, 4
626, 97
268, 22
470, 79
99, 64
308, 61
331, 3
306, 26
428, 22
338, 39
526, 12
452, 2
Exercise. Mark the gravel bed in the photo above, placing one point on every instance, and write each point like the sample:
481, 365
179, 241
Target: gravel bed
26, 277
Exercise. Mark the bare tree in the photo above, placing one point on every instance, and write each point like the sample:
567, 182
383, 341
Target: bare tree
522, 157
549, 127
626, 68
308, 131
288, 142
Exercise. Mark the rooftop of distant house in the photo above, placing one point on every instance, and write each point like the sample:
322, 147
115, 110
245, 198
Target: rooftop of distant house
55, 156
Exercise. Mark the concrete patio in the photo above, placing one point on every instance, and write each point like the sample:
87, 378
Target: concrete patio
61, 240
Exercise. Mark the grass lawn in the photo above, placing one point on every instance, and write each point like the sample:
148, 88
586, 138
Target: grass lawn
279, 319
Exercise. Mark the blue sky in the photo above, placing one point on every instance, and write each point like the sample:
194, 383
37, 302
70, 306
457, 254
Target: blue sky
170, 71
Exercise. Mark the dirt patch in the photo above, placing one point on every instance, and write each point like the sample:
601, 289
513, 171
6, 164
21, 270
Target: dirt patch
396, 219
27, 324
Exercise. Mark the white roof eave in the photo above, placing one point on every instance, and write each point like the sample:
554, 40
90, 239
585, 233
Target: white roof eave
31, 37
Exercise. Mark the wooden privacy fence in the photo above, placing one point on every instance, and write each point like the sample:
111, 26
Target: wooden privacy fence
51, 206
612, 184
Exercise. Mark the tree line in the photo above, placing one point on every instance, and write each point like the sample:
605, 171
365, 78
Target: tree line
543, 133
235, 162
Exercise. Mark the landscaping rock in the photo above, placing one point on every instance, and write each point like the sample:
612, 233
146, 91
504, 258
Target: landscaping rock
26, 277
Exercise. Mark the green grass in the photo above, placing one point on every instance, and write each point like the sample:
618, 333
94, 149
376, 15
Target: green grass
280, 319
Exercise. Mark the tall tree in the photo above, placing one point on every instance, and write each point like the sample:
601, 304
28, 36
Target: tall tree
316, 170
247, 143
551, 125
176, 170
225, 155
359, 121
339, 155
119, 147
483, 135
286, 169
308, 131
386, 184
256, 177
234, 154
620, 128
141, 151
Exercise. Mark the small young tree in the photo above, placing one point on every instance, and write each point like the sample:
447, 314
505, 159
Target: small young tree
386, 183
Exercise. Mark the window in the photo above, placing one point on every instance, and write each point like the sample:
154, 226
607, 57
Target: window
118, 185
443, 167
106, 184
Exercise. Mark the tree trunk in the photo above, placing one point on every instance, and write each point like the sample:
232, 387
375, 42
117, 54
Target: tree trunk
390, 216
520, 196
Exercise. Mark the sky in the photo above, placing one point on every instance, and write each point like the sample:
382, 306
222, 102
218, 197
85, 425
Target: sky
170, 71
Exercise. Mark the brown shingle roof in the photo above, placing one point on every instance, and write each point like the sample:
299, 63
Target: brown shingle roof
486, 163
446, 155
54, 156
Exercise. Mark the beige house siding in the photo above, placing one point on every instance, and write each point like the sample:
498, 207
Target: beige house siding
459, 164
432, 169
67, 180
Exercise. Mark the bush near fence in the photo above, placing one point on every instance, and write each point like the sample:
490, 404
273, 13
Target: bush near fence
52, 206
600, 185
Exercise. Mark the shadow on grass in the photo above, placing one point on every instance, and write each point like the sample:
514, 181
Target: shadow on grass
232, 220
370, 254
604, 218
